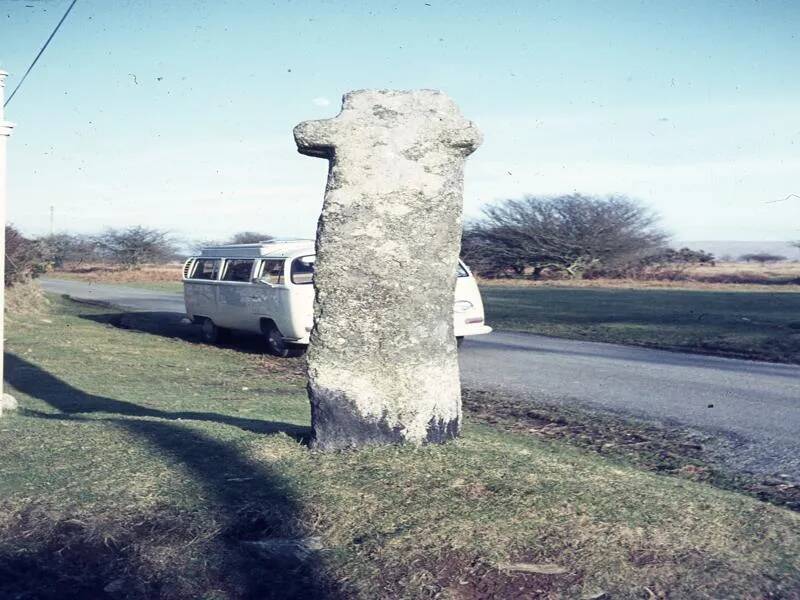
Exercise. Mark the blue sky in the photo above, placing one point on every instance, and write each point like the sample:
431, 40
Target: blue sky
179, 115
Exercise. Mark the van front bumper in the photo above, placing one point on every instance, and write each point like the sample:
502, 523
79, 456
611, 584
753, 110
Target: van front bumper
477, 329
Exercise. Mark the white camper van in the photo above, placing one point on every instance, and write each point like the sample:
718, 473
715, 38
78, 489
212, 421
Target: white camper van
267, 288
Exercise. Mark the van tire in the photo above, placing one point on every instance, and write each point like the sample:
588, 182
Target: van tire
459, 341
211, 333
276, 345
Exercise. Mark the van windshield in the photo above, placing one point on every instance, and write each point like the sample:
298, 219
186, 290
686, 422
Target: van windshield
462, 272
303, 270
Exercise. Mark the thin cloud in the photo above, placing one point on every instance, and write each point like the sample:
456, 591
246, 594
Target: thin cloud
321, 101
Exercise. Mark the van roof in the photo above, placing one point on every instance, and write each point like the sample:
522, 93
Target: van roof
280, 248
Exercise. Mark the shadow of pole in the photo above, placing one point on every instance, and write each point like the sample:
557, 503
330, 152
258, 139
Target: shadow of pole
251, 503
38, 383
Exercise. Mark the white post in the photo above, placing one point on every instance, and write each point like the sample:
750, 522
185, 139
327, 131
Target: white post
5, 132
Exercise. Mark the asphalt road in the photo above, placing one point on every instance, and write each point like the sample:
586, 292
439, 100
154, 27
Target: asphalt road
751, 408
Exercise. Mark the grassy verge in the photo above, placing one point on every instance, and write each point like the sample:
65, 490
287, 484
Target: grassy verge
667, 450
754, 325
142, 465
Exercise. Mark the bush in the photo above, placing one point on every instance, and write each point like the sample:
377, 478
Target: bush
663, 264
64, 248
571, 235
249, 237
133, 246
762, 257
25, 258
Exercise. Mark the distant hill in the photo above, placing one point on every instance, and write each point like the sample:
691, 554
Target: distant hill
736, 249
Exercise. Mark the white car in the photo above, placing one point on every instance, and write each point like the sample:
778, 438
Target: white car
267, 288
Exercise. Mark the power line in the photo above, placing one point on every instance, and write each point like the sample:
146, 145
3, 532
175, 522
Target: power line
789, 197
35, 60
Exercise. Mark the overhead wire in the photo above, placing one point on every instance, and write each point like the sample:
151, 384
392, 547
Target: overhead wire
35, 60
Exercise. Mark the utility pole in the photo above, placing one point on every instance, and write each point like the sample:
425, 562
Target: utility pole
5, 133
52, 220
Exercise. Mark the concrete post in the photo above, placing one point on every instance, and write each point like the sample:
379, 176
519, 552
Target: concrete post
382, 363
5, 132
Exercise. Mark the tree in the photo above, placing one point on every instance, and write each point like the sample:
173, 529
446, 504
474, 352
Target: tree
133, 246
490, 258
67, 248
250, 237
570, 234
25, 258
761, 257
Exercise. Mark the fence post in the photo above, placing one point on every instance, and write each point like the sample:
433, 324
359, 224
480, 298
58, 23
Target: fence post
5, 133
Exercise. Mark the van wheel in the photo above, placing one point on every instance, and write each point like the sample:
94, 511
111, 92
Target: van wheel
459, 341
277, 346
211, 333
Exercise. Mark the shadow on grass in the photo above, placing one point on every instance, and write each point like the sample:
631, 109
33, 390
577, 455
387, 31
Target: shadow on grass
174, 325
243, 502
35, 382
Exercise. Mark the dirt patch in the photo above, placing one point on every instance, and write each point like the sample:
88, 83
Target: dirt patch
286, 369
671, 451
459, 576
163, 554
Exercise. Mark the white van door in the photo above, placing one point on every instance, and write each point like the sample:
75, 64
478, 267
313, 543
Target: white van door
269, 294
200, 290
234, 289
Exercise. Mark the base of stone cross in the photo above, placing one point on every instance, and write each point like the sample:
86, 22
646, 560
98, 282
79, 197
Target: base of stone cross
338, 426
7, 402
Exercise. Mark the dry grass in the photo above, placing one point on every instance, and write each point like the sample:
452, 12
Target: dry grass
775, 277
143, 466
101, 273
24, 299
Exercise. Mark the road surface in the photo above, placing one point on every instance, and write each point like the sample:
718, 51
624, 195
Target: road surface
751, 408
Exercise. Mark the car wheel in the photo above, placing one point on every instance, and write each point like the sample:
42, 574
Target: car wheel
277, 346
211, 333
459, 341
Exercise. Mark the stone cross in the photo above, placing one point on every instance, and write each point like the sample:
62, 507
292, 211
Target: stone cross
382, 363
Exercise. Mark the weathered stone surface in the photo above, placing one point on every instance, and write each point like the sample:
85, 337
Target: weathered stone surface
382, 362
7, 402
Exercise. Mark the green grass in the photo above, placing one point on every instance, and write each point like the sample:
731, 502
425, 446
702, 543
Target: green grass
755, 325
146, 463
749, 324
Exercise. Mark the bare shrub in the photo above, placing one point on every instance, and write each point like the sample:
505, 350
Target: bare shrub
133, 246
566, 234
62, 248
663, 264
762, 257
25, 258
249, 237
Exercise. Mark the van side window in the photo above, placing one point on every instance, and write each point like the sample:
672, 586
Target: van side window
303, 270
272, 271
237, 270
205, 268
